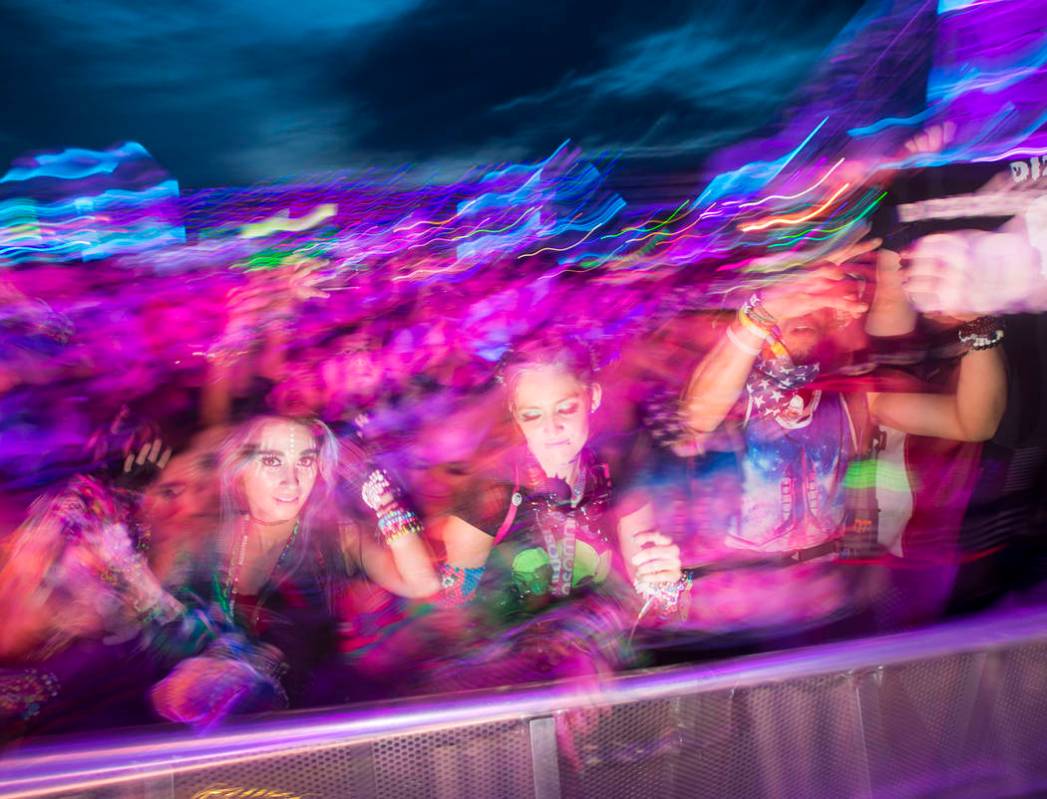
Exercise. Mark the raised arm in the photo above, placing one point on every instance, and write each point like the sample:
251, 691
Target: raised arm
402, 567
971, 413
951, 278
720, 378
402, 563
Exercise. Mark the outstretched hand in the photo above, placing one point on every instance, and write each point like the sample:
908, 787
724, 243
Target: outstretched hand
966, 274
141, 468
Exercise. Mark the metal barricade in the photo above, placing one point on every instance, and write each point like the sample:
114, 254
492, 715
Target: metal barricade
957, 710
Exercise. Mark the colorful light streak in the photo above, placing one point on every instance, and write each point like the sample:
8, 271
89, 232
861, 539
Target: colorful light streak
76, 163
753, 176
283, 223
779, 221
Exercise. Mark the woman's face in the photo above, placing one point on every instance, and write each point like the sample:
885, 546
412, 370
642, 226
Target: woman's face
183, 501
552, 408
282, 472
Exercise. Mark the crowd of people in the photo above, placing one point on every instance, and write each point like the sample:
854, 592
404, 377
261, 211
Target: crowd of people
336, 513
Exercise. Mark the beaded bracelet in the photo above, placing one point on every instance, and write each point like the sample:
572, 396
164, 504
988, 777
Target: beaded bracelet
755, 318
750, 326
982, 333
665, 597
398, 523
754, 310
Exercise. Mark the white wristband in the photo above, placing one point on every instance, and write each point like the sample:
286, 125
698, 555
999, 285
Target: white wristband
737, 342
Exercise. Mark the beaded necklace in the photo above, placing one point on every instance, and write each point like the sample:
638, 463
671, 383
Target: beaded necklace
234, 573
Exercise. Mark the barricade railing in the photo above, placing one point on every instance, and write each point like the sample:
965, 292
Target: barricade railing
955, 710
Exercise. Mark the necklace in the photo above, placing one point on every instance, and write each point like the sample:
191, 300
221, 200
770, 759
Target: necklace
559, 529
234, 573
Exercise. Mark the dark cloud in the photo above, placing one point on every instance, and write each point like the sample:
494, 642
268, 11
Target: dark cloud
467, 75
231, 91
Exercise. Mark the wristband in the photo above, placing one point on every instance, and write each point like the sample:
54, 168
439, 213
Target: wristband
754, 317
741, 345
758, 313
982, 333
665, 597
755, 328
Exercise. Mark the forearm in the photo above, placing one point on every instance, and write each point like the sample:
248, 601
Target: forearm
971, 413
414, 566
216, 400
720, 378
981, 394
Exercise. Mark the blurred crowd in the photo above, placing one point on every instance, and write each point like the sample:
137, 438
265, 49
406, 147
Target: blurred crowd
219, 500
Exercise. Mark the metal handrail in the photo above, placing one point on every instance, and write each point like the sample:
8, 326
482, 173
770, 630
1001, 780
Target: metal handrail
79, 764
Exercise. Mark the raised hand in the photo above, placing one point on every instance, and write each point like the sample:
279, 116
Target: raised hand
304, 277
825, 287
141, 468
932, 140
965, 274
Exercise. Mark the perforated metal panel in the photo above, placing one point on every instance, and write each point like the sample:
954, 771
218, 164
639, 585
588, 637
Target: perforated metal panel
623, 751
489, 760
310, 774
1017, 735
801, 739
142, 789
968, 724
922, 725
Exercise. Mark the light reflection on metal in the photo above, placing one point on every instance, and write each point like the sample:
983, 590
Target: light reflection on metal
72, 765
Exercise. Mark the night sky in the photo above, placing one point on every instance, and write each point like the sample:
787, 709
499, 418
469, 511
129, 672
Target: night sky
228, 92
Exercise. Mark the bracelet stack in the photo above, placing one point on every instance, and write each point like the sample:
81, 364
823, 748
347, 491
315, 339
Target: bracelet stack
982, 333
754, 318
397, 523
665, 597
394, 520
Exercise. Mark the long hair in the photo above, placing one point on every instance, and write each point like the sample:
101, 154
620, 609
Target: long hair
236, 455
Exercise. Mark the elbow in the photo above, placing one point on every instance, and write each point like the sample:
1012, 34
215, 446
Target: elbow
423, 588
981, 430
980, 433
697, 418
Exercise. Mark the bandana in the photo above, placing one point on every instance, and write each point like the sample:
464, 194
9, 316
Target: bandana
776, 386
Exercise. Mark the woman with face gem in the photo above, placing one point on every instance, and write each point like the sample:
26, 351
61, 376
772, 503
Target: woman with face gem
281, 558
544, 525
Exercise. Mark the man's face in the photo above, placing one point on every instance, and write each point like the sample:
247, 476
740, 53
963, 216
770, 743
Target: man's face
822, 334
803, 335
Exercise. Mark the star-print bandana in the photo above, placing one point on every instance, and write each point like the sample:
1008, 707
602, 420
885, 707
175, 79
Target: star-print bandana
775, 385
